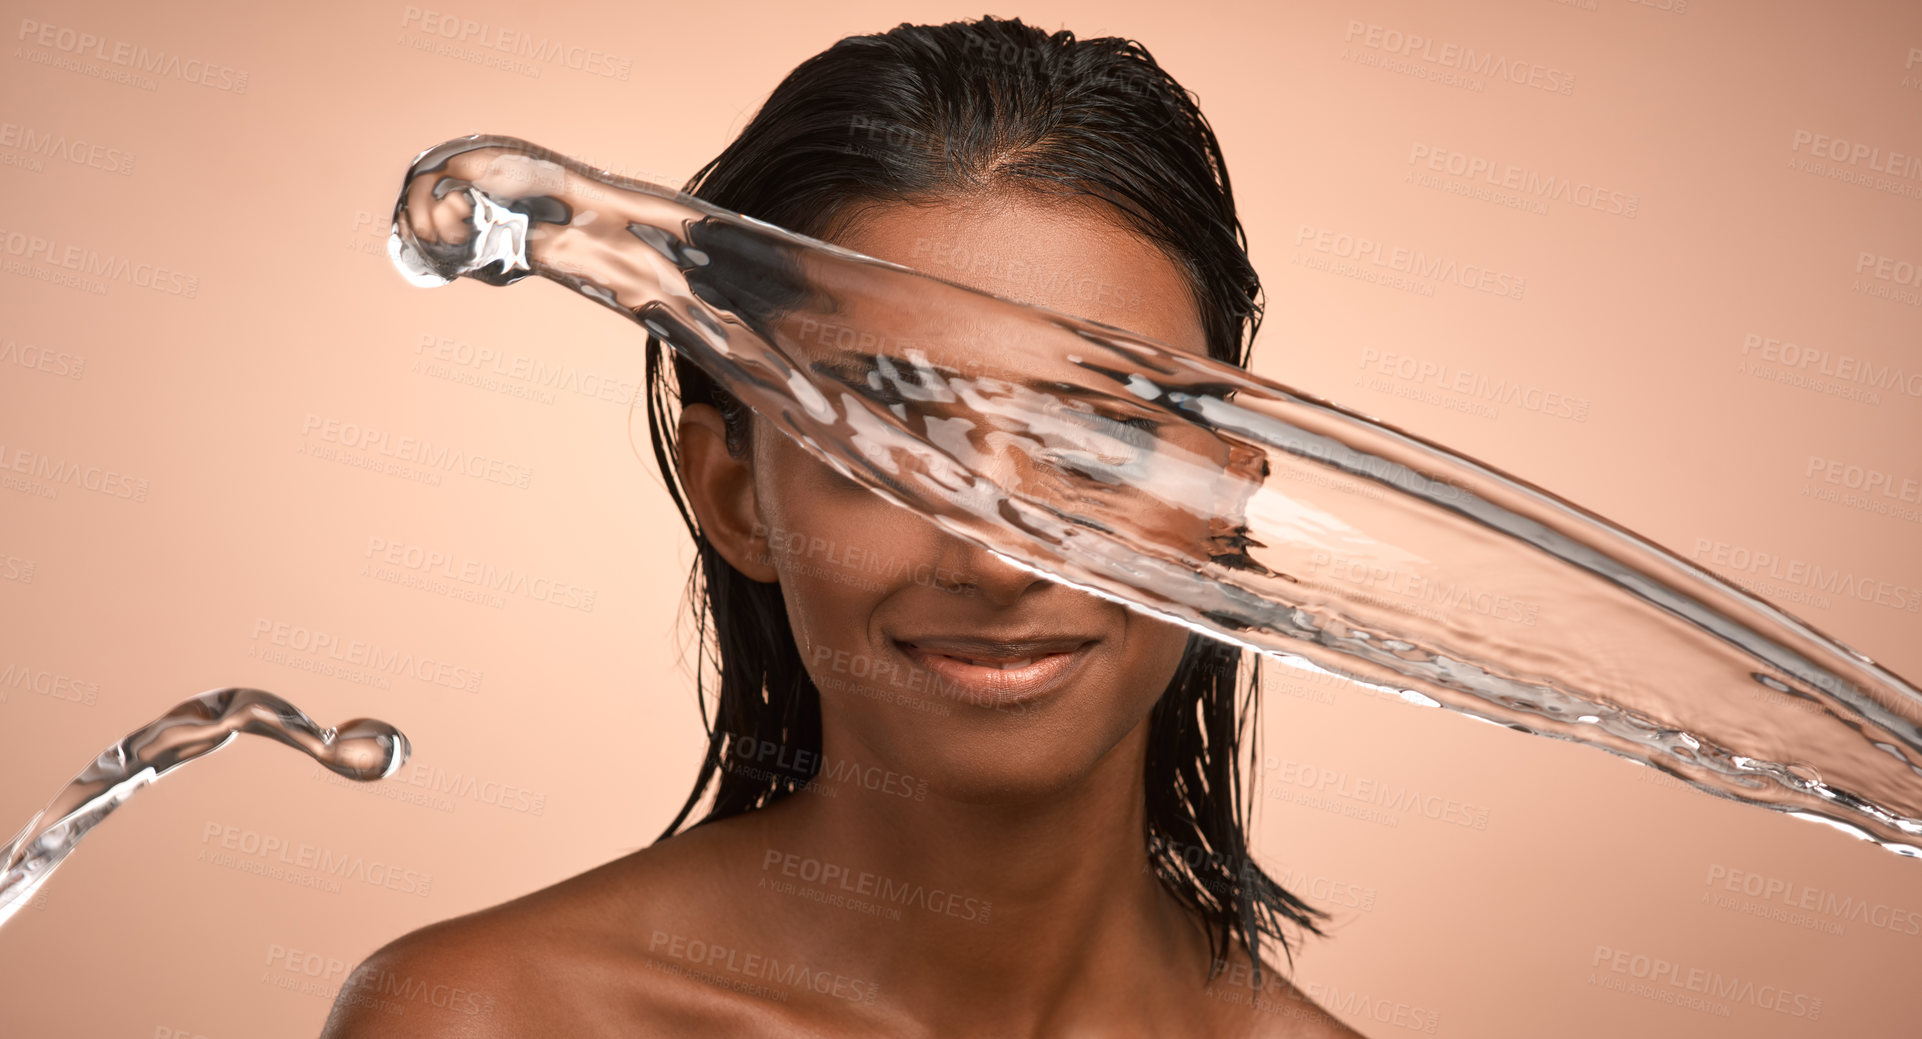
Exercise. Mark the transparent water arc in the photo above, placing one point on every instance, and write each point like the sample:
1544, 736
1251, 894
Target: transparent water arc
1727, 692
362, 749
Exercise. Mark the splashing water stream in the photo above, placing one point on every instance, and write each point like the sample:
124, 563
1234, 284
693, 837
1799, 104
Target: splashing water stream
362, 749
1199, 493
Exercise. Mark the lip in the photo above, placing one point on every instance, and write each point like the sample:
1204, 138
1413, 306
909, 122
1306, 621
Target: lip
967, 665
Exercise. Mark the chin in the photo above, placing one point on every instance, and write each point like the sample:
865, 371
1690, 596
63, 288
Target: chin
1024, 769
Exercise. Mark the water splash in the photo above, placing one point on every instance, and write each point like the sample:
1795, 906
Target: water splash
362, 749
1199, 493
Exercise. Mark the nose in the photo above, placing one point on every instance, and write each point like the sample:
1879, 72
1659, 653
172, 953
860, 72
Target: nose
973, 570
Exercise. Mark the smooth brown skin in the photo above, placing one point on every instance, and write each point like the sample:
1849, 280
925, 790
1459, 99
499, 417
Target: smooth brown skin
1037, 811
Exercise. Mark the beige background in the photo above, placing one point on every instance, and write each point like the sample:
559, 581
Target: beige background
580, 737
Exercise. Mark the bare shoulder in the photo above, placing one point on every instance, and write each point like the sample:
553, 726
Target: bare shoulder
461, 978
577, 958
1272, 1008
1295, 1016
525, 967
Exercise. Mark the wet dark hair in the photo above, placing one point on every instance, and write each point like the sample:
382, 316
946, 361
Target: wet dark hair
923, 113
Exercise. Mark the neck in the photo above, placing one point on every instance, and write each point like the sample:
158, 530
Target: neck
982, 915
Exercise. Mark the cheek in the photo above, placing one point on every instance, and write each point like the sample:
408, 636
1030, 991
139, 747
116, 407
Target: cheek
1154, 654
837, 550
807, 504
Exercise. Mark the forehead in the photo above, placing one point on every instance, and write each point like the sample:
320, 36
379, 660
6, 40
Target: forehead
1070, 255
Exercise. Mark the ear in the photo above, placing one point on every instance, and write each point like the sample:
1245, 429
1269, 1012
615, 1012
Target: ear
720, 489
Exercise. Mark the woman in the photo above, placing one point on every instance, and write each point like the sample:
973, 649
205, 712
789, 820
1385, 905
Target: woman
949, 797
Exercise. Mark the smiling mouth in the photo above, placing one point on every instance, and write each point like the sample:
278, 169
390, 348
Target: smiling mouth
1003, 665
988, 674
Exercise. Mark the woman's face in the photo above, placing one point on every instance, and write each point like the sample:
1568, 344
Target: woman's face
934, 658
